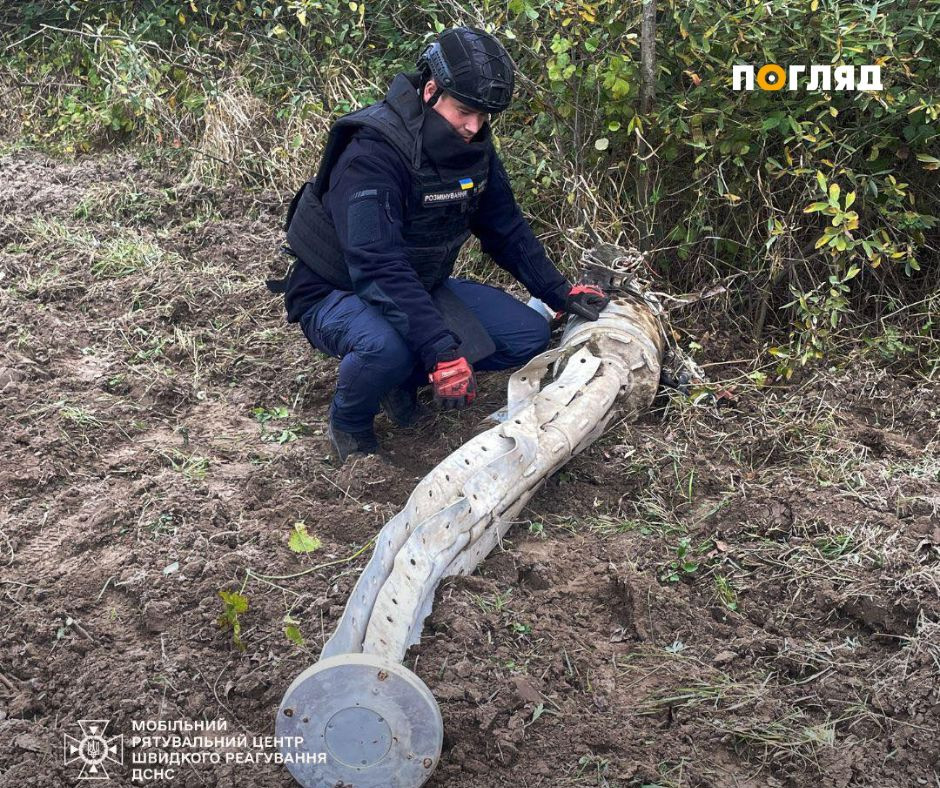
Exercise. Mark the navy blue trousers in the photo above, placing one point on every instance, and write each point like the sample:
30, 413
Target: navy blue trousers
375, 358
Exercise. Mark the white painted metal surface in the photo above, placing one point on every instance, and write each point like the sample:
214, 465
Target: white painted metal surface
374, 721
461, 509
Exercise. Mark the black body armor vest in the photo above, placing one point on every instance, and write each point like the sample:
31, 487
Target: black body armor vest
437, 210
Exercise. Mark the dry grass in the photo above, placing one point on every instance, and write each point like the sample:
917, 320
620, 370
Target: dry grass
243, 138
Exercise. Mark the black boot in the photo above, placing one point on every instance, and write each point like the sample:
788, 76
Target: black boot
401, 406
346, 443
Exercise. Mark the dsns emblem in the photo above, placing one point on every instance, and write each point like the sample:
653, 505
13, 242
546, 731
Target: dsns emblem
93, 749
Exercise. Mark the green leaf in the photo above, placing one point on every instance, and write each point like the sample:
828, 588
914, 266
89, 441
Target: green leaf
302, 542
234, 602
772, 121
560, 45
821, 180
834, 192
816, 206
849, 200
932, 162
292, 631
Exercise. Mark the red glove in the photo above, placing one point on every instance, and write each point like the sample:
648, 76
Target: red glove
586, 301
454, 384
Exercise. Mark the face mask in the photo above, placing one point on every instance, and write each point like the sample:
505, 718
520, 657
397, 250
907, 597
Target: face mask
446, 148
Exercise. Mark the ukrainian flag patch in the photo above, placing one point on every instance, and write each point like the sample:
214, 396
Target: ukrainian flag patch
466, 183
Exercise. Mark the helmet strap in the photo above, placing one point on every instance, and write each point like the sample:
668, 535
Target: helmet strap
437, 94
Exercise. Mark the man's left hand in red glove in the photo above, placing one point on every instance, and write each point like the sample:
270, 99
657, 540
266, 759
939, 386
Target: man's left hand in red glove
586, 301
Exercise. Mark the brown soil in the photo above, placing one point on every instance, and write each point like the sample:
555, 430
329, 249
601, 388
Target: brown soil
795, 643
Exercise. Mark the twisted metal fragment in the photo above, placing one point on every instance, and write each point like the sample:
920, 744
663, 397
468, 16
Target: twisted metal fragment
456, 515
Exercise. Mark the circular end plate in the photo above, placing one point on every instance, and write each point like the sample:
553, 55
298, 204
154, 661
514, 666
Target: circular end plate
359, 720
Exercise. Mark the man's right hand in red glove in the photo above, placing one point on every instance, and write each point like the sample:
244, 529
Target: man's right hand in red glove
453, 382
586, 301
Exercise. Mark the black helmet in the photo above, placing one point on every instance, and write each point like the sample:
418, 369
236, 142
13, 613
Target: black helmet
472, 66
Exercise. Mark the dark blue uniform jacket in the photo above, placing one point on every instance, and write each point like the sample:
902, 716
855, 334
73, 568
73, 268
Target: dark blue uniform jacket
370, 162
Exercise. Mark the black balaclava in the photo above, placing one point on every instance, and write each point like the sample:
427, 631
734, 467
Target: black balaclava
451, 156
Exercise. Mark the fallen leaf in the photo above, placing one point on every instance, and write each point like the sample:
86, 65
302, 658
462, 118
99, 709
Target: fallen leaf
302, 542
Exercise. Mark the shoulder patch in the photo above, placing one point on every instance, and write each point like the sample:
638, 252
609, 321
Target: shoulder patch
364, 218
